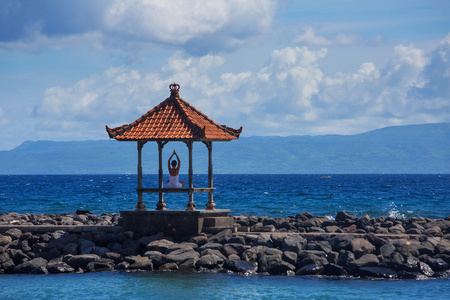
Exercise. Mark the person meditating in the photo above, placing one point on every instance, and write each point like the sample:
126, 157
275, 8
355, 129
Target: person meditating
174, 170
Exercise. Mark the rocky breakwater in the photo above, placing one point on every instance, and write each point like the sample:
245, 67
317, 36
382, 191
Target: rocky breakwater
415, 248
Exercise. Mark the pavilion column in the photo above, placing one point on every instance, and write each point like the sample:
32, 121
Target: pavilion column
191, 205
160, 205
210, 205
140, 206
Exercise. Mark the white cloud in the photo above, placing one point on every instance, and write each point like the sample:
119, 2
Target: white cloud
125, 26
289, 95
309, 37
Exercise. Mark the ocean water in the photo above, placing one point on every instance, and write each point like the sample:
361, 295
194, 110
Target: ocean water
261, 195
271, 195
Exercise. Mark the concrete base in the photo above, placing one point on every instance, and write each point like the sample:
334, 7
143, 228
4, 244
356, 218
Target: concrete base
176, 222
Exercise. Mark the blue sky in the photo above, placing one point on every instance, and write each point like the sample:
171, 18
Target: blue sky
68, 68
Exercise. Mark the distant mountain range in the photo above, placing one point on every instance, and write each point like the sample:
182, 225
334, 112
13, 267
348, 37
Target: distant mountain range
411, 149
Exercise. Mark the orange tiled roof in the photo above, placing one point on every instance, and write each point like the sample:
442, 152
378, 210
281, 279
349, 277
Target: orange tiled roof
174, 119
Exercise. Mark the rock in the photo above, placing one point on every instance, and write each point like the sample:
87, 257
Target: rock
157, 258
200, 240
309, 258
5, 240
311, 269
221, 237
122, 266
213, 251
209, 261
182, 255
425, 269
139, 263
59, 267
84, 244
344, 219
375, 240
363, 222
101, 265
29, 266
293, 243
387, 250
241, 266
437, 264
265, 261
332, 228
39, 271
361, 246
398, 228
443, 247
367, 260
14, 233
114, 256
378, 272
189, 264
290, 257
341, 242
80, 261
279, 267
237, 240
215, 246
233, 248
159, 245
324, 246
333, 270
433, 231
168, 267
70, 248
263, 239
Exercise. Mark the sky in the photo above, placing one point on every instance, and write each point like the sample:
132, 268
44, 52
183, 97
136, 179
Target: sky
68, 68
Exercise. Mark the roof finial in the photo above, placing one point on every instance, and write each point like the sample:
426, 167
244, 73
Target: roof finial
174, 88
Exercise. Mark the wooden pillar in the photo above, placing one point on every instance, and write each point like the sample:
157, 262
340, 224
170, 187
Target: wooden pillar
210, 205
191, 205
140, 206
160, 205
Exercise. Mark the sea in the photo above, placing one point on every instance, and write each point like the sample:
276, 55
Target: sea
400, 196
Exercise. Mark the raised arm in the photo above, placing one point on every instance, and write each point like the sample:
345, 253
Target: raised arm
178, 159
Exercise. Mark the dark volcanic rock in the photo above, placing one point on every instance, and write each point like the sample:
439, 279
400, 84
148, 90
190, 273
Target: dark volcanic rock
241, 266
312, 269
378, 272
29, 266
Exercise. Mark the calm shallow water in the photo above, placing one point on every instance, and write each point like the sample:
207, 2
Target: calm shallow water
113, 285
271, 195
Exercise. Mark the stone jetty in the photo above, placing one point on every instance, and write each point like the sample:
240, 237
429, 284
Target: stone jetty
382, 247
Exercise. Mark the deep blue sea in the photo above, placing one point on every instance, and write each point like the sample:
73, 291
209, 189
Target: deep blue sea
270, 195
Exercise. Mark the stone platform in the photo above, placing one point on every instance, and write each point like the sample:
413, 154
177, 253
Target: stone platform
176, 222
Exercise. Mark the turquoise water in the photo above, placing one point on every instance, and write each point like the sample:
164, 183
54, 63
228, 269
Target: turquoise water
114, 285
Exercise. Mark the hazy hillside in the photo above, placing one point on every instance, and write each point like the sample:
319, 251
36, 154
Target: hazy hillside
403, 149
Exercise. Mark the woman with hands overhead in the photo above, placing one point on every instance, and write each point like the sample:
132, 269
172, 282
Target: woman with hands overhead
174, 170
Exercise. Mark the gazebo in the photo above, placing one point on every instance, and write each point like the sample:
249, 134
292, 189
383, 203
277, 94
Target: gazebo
174, 120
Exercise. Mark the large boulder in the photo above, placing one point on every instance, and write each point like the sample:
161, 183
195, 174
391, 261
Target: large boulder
293, 243
209, 261
80, 261
159, 245
361, 246
182, 255
378, 272
29, 266
5, 240
241, 266
221, 237
341, 242
312, 269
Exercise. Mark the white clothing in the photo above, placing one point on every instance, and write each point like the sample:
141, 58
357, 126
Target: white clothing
173, 182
